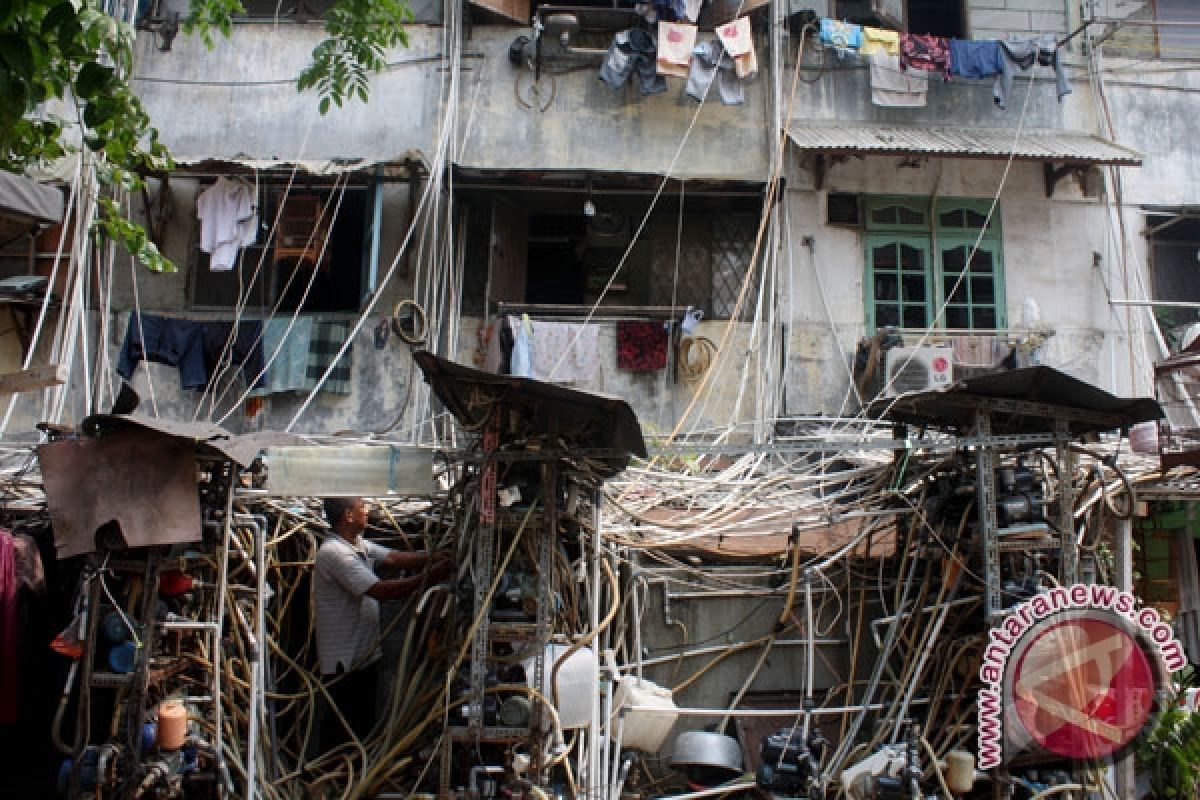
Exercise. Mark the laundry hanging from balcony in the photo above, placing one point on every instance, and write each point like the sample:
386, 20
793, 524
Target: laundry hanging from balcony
228, 214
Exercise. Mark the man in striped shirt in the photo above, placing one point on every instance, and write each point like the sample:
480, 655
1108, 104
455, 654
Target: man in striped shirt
346, 593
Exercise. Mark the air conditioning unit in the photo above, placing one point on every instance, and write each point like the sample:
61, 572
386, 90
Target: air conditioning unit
918, 369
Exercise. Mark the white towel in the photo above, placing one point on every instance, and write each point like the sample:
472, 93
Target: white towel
675, 43
892, 86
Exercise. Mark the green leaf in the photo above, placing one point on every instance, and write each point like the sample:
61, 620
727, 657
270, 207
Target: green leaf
93, 79
58, 16
16, 53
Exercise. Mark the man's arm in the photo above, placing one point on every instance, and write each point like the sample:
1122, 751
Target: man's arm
399, 559
391, 588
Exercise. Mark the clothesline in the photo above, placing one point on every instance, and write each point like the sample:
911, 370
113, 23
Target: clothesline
901, 63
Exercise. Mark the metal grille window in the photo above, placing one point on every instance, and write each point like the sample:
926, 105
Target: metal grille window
913, 268
715, 253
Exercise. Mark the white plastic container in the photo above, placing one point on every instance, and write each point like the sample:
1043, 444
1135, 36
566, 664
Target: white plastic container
644, 730
577, 679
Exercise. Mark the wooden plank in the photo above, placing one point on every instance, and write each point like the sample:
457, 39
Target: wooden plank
515, 10
32, 379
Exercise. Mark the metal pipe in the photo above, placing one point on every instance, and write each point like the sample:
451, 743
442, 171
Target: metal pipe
376, 226
257, 525
830, 711
810, 634
594, 721
614, 784
636, 613
780, 591
720, 648
920, 670
962, 601
1154, 303
224, 786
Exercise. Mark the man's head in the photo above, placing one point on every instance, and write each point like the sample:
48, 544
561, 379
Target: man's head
347, 515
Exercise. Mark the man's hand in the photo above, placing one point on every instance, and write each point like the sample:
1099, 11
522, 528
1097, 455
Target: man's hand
441, 565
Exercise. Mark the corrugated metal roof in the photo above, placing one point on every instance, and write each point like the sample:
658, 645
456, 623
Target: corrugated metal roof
1039, 393
992, 143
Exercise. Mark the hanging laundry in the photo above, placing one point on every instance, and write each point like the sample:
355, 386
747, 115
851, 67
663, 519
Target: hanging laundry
976, 59
709, 60
893, 86
497, 353
844, 37
285, 347
739, 43
632, 51
670, 10
875, 40
675, 43
522, 351
223, 349
565, 352
641, 346
924, 52
27, 557
975, 351
228, 217
327, 339
1021, 56
174, 342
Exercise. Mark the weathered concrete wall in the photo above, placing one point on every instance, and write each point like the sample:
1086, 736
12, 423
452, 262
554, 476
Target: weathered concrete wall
588, 126
1049, 251
239, 99
657, 399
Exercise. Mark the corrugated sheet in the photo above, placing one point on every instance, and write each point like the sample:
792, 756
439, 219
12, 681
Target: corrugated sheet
1030, 145
1042, 390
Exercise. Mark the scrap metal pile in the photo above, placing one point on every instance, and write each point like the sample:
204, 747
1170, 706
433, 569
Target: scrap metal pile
803, 618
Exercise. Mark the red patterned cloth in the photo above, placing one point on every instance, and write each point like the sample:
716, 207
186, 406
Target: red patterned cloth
641, 346
925, 52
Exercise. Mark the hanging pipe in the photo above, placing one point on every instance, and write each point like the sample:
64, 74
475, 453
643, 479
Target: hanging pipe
217, 650
810, 633
593, 762
257, 524
635, 610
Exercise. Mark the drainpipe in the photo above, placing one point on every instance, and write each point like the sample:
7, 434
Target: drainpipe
594, 742
376, 225
258, 525
222, 769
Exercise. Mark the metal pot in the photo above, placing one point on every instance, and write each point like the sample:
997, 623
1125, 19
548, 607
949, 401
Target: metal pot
706, 749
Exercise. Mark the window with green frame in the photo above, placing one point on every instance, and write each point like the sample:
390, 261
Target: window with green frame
917, 262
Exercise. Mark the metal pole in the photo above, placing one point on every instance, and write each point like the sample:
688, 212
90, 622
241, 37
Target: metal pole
223, 782
1124, 765
593, 776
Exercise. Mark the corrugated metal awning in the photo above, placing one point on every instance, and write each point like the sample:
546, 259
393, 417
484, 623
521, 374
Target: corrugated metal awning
1026, 400
1066, 147
25, 204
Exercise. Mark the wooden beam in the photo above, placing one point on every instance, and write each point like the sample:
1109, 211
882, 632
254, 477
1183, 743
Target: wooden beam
32, 379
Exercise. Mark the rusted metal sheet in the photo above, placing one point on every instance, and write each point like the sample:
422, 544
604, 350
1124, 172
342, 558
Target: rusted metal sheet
241, 449
142, 483
597, 426
1026, 400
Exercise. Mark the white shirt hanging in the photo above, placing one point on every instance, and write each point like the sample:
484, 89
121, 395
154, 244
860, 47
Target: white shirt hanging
228, 217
